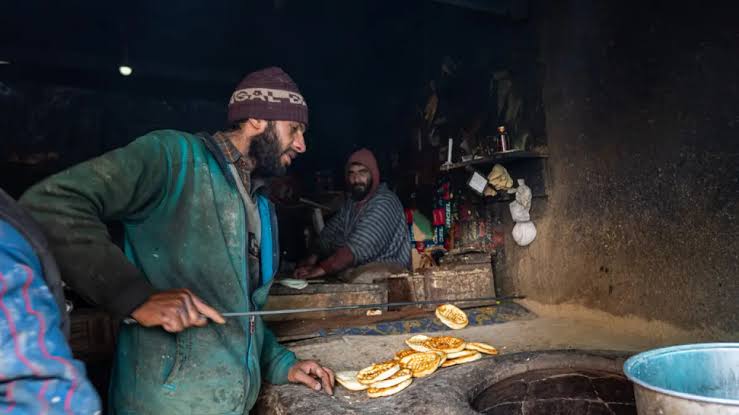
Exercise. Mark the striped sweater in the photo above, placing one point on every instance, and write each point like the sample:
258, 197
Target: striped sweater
376, 231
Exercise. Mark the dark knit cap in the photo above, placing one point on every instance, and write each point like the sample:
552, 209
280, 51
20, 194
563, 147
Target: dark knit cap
267, 94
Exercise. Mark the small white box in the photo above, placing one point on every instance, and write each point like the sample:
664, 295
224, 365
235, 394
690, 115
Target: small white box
477, 182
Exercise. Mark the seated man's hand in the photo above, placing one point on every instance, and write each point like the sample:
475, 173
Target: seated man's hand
312, 375
301, 272
175, 310
308, 272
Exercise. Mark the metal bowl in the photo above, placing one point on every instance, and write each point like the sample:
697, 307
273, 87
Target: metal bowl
691, 379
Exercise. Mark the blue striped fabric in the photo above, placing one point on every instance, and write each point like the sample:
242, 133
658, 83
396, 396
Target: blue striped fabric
376, 232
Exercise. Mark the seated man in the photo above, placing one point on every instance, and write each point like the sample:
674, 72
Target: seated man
368, 237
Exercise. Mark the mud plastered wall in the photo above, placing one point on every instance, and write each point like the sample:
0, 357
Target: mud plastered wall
642, 216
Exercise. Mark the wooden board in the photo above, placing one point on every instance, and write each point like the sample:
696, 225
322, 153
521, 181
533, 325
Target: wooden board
445, 282
323, 295
292, 330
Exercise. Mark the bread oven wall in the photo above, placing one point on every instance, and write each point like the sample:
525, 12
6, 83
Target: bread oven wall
642, 214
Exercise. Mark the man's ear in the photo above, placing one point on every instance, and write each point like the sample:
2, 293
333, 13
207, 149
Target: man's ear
257, 126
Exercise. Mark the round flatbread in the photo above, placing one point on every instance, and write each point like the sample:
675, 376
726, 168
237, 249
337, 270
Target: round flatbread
293, 283
459, 361
403, 353
421, 364
348, 379
377, 372
446, 344
443, 357
482, 348
417, 343
378, 393
452, 316
401, 376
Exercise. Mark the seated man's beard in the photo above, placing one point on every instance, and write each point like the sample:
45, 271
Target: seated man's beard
360, 191
266, 152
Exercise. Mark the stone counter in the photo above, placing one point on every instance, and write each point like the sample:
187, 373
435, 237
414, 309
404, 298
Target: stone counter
449, 391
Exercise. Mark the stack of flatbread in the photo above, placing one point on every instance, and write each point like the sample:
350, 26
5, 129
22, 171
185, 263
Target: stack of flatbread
380, 379
423, 357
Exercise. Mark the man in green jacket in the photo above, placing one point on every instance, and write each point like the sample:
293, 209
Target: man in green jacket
200, 236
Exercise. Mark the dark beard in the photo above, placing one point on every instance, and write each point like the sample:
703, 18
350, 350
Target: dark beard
359, 192
266, 152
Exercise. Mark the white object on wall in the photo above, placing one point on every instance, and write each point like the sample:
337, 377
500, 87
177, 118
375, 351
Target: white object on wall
477, 182
524, 231
523, 194
518, 212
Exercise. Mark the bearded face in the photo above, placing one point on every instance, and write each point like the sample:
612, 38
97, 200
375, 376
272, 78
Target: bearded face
360, 181
270, 155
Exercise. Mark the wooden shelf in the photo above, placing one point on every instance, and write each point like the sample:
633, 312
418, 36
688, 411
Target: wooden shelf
507, 198
496, 158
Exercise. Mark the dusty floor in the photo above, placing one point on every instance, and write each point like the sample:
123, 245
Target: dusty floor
556, 327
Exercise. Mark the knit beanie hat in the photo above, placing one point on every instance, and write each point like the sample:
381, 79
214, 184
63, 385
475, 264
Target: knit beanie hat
267, 94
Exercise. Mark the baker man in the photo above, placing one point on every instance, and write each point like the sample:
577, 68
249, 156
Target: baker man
200, 239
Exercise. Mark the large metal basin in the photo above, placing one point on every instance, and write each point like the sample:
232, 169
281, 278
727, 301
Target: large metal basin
691, 379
